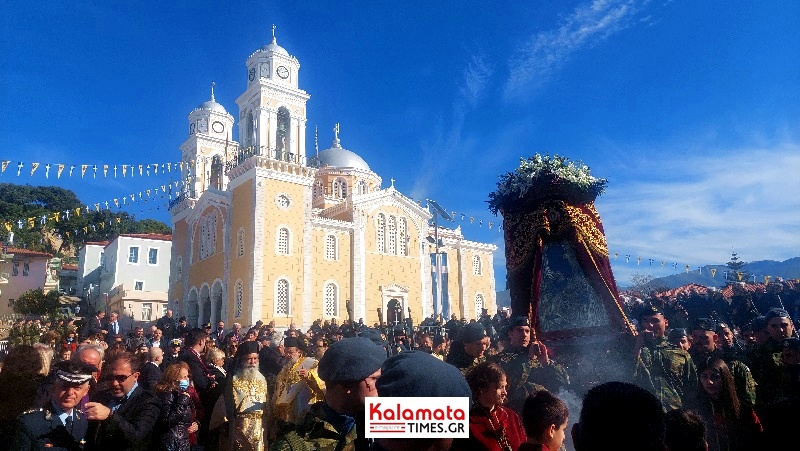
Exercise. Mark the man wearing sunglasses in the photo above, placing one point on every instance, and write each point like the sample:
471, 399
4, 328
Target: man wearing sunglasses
123, 416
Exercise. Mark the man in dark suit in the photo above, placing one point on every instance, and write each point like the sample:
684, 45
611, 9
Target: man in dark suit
94, 324
113, 328
59, 425
151, 372
124, 416
203, 380
168, 326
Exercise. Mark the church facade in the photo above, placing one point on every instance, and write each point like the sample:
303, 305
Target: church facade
263, 231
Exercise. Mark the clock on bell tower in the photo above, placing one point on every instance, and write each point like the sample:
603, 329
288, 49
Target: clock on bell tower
272, 110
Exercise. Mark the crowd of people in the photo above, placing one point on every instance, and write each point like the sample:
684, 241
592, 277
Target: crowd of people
712, 385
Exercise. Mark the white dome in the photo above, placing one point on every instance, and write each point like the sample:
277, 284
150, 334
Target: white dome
275, 48
339, 157
213, 106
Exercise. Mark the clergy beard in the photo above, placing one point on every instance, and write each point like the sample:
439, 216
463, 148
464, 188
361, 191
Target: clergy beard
250, 374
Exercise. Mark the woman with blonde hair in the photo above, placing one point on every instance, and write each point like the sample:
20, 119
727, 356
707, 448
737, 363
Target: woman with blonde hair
177, 413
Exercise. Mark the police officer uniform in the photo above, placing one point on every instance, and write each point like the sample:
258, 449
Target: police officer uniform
50, 428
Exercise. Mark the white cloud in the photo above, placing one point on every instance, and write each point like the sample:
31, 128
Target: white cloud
546, 51
701, 206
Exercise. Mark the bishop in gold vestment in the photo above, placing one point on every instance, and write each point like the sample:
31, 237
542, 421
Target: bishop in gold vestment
245, 403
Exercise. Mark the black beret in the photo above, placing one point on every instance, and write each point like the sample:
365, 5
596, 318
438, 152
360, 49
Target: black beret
776, 313
721, 325
472, 332
351, 359
705, 324
375, 335
791, 343
419, 374
518, 321
677, 333
650, 310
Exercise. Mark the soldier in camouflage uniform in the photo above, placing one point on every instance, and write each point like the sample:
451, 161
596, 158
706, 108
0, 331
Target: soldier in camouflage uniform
350, 369
660, 367
765, 360
527, 366
706, 346
468, 350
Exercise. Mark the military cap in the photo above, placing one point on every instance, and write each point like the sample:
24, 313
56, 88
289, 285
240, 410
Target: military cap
721, 325
518, 321
705, 324
472, 332
74, 372
650, 310
175, 342
419, 374
375, 335
351, 359
207, 326
791, 343
677, 333
776, 313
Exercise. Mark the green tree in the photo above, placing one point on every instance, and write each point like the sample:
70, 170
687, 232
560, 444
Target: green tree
736, 272
37, 302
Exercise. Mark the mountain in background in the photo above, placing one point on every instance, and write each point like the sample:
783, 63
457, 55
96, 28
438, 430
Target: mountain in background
788, 269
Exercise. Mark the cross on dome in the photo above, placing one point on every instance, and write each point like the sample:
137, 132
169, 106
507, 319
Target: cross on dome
212, 92
336, 136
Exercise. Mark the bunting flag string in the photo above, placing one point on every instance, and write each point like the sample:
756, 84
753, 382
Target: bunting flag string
166, 191
107, 170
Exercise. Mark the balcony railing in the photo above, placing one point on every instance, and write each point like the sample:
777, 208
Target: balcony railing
264, 151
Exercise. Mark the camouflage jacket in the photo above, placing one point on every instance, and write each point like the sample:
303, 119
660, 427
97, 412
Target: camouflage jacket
315, 433
768, 372
668, 372
526, 376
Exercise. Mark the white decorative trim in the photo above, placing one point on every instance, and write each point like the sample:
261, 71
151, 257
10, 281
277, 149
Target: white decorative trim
308, 257
259, 243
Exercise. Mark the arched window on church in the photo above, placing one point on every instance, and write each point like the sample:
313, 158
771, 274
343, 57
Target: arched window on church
283, 247
237, 307
362, 187
331, 251
340, 188
249, 134
331, 303
477, 265
283, 306
216, 173
283, 135
402, 237
391, 235
240, 243
179, 268
381, 232
479, 304
201, 245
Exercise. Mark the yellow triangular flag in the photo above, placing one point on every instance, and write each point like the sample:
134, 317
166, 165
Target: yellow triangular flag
78, 211
83, 169
60, 170
5, 165
124, 170
105, 170
116, 202
713, 272
34, 166
766, 279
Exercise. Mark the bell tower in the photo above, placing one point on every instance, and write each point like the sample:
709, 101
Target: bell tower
272, 110
209, 145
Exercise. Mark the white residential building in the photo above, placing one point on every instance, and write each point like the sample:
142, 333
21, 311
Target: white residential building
134, 276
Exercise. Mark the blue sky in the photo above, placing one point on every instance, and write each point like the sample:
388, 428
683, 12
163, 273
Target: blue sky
690, 109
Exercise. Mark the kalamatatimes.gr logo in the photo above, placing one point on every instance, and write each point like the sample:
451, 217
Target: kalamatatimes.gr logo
417, 417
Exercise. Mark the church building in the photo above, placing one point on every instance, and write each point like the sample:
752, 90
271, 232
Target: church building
264, 231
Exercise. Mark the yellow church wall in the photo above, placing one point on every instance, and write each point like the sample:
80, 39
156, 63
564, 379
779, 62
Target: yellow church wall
290, 266
179, 243
482, 283
337, 271
240, 267
210, 268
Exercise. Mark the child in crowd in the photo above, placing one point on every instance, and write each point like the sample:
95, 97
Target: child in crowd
545, 419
